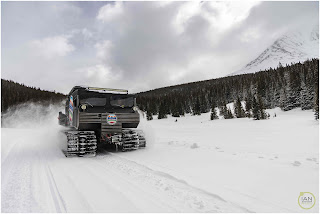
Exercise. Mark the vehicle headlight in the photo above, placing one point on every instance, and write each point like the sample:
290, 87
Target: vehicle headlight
83, 107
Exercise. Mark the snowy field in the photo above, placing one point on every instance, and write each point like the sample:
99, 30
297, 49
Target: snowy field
192, 165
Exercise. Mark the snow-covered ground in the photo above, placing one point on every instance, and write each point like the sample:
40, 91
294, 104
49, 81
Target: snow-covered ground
192, 165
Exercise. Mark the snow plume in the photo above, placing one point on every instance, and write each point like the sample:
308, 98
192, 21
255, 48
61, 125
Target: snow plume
32, 117
148, 131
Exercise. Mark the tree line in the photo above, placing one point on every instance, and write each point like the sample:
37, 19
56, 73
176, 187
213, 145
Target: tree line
13, 93
287, 87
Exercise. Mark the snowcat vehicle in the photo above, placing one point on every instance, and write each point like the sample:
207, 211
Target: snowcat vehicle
100, 117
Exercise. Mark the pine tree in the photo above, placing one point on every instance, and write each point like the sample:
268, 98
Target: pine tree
229, 114
149, 115
263, 114
187, 107
316, 104
14, 94
255, 109
306, 97
180, 108
162, 111
238, 109
248, 105
196, 108
292, 96
283, 98
153, 108
226, 112
203, 104
175, 110
213, 114
166, 105
222, 109
286, 87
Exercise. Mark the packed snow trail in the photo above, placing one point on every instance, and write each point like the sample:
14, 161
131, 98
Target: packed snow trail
256, 164
39, 178
237, 165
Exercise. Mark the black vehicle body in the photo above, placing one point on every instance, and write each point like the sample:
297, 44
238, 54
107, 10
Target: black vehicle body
109, 113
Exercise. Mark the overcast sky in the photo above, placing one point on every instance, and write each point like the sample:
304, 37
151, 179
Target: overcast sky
139, 45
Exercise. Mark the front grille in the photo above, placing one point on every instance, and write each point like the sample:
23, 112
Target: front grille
102, 119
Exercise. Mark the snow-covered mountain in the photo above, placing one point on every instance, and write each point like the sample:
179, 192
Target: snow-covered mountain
295, 46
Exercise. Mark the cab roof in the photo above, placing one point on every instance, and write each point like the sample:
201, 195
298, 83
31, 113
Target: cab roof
99, 90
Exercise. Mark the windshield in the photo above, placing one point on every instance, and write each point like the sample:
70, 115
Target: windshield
121, 101
94, 101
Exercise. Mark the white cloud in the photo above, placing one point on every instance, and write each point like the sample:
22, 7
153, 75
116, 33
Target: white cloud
110, 11
185, 12
139, 45
221, 15
162, 3
87, 33
50, 47
104, 50
225, 14
250, 34
66, 7
100, 75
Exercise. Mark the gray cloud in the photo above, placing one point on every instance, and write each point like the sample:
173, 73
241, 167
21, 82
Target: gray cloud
139, 45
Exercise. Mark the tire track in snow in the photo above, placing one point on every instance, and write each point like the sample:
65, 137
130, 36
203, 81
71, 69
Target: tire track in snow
71, 187
132, 194
177, 192
16, 186
46, 156
51, 156
169, 176
59, 203
5, 158
257, 200
173, 178
27, 180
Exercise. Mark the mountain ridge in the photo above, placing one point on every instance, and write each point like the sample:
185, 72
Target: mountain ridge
292, 47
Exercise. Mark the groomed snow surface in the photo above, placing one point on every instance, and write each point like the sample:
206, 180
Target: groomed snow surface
192, 165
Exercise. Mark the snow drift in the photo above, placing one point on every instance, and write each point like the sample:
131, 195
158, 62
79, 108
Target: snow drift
192, 165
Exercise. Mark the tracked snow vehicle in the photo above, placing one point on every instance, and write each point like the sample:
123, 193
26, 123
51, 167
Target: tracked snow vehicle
100, 117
